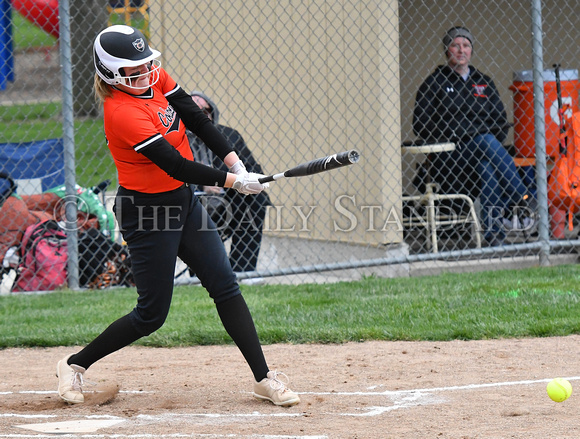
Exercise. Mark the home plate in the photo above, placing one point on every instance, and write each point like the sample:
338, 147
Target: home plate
79, 426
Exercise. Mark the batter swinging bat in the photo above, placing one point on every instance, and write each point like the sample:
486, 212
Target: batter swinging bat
318, 165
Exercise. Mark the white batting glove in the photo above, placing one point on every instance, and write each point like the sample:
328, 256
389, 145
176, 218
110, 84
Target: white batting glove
238, 168
248, 183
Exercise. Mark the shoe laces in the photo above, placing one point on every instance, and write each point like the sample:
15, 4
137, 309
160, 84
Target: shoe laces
77, 381
278, 381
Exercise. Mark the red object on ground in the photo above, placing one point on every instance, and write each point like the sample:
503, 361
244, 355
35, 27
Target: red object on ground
41, 13
564, 178
524, 112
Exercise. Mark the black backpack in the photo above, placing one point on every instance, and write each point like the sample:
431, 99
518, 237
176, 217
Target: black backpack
102, 262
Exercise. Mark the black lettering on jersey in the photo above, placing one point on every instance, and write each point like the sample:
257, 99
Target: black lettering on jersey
169, 119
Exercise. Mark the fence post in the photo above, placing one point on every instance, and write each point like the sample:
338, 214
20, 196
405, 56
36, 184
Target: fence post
69, 147
540, 131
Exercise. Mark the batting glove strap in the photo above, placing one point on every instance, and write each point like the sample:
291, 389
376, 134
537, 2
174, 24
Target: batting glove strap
248, 183
238, 168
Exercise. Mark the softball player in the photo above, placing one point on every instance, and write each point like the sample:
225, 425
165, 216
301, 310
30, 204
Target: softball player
145, 116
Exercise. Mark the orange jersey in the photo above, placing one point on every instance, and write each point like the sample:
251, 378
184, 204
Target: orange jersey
134, 122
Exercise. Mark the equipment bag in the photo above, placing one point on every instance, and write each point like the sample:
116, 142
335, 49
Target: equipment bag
102, 262
43, 258
564, 180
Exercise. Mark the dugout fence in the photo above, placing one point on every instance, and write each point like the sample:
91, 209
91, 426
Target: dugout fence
301, 80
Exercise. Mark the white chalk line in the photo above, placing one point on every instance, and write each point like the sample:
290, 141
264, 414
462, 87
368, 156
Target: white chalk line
51, 392
442, 389
19, 415
157, 435
400, 398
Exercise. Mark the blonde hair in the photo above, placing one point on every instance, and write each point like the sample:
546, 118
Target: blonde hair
102, 89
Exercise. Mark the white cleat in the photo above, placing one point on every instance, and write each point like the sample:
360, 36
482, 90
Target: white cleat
273, 389
70, 381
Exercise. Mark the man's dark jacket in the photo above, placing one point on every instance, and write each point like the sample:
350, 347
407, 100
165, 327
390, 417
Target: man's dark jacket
449, 108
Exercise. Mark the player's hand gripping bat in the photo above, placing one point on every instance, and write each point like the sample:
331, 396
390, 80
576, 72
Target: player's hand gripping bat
318, 165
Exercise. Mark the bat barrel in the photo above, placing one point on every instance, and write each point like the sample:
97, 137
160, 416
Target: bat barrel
332, 162
318, 165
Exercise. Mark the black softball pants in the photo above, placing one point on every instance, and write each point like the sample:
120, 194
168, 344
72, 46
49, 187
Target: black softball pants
158, 228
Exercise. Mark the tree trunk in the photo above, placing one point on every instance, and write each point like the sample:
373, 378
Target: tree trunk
88, 18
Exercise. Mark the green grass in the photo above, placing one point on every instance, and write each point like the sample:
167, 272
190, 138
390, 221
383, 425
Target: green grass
26, 35
29, 122
23, 113
538, 302
25, 123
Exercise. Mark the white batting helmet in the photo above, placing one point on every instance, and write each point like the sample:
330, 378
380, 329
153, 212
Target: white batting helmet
121, 46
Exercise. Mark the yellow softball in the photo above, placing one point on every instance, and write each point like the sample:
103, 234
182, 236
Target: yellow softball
559, 389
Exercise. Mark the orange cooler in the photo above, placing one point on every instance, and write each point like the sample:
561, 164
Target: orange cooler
523, 90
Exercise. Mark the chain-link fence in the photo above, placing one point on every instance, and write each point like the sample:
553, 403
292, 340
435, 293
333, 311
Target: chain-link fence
452, 170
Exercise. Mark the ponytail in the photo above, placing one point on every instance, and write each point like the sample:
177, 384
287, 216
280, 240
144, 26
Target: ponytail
102, 89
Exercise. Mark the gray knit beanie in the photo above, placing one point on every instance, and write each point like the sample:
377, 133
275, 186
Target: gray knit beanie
454, 32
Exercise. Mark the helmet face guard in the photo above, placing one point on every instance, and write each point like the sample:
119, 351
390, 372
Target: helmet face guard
152, 72
119, 47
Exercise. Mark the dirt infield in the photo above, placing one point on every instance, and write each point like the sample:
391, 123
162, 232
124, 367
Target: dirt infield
458, 389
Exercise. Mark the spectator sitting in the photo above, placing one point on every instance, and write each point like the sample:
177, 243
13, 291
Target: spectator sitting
243, 217
458, 103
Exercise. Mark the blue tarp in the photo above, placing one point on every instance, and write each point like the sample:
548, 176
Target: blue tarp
41, 161
6, 43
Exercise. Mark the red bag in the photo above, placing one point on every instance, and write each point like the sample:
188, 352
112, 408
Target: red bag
44, 258
564, 179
